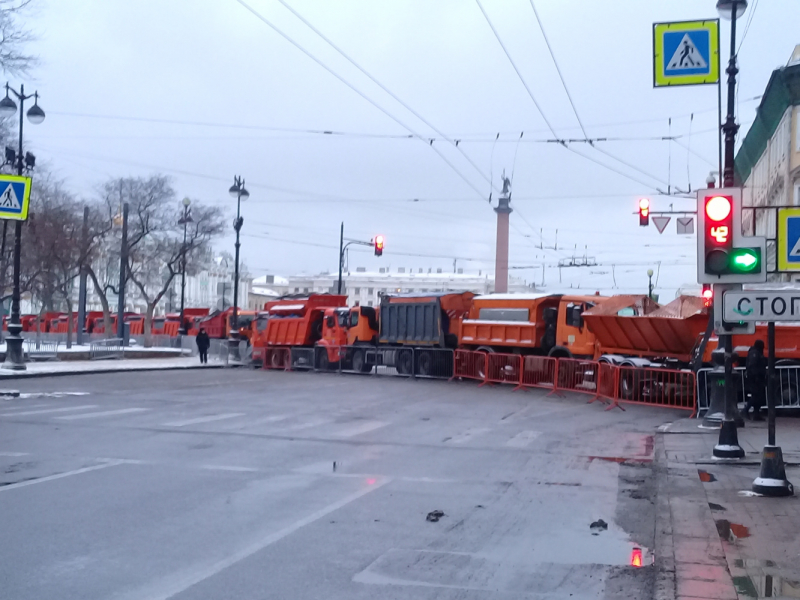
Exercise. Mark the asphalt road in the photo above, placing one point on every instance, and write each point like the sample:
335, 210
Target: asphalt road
221, 484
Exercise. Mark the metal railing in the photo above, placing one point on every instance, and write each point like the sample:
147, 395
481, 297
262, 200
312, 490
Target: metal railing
787, 386
40, 349
107, 349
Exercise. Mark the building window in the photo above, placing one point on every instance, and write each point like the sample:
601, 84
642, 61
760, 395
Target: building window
305, 290
356, 290
369, 303
296, 290
370, 291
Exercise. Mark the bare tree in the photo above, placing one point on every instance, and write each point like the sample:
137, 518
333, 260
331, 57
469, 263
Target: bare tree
158, 257
156, 250
14, 37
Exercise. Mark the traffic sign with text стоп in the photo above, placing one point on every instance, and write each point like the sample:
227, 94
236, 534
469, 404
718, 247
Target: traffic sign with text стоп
761, 305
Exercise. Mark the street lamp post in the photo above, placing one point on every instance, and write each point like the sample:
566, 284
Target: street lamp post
184, 220
650, 283
238, 191
728, 446
15, 358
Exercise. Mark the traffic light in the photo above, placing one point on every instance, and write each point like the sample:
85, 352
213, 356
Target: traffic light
644, 212
378, 241
708, 295
724, 255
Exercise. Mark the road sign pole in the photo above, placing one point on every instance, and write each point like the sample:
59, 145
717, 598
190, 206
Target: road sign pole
772, 478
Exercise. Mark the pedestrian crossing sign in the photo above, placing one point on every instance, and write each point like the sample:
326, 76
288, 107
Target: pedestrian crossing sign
788, 239
685, 53
15, 195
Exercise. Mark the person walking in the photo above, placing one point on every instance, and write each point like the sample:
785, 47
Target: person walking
756, 368
202, 345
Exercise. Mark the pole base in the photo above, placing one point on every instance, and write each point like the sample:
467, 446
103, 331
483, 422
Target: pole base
772, 480
728, 445
15, 355
713, 420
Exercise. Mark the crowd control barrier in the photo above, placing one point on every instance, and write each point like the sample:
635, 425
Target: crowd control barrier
538, 371
603, 381
787, 385
277, 358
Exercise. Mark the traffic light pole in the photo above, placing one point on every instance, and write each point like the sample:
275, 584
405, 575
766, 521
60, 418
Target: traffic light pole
343, 248
728, 445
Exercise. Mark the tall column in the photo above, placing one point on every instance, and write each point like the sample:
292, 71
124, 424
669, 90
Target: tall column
501, 252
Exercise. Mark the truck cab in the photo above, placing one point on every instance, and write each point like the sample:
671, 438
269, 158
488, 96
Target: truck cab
343, 331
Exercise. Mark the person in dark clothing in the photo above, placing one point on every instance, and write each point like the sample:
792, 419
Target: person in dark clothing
756, 368
202, 345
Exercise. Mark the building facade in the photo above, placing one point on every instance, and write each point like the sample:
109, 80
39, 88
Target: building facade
365, 288
768, 161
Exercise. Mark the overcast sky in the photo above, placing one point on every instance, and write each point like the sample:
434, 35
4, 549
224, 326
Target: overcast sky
202, 90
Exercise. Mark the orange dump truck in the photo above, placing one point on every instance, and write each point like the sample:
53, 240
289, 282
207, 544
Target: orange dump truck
291, 322
544, 324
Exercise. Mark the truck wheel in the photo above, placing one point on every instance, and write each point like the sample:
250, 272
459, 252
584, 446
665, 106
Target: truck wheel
275, 360
424, 364
322, 360
630, 384
403, 362
359, 363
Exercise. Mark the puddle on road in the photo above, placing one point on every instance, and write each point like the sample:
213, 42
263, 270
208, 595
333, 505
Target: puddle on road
716, 507
706, 477
731, 531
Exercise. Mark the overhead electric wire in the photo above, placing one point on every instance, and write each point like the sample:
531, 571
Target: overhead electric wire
516, 69
360, 93
374, 80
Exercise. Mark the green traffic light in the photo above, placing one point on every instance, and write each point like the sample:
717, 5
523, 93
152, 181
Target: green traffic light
745, 260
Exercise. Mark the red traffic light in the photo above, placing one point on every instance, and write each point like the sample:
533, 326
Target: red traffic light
379, 240
708, 295
636, 557
718, 208
644, 212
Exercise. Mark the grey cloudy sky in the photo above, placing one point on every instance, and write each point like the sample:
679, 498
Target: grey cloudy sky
202, 90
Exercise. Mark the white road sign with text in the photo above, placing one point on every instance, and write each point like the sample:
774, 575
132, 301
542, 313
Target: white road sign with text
754, 305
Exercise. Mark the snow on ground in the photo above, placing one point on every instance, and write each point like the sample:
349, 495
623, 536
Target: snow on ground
99, 366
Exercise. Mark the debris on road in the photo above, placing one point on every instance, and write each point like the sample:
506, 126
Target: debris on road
434, 516
598, 526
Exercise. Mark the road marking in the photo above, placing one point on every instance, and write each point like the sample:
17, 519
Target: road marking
206, 419
51, 394
172, 586
467, 435
360, 428
14, 486
27, 406
14, 453
522, 439
229, 468
104, 413
49, 410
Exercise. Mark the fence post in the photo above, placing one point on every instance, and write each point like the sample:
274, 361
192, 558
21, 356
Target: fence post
521, 369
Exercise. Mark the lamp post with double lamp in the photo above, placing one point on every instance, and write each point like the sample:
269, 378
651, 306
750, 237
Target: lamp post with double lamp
15, 359
238, 191
650, 283
184, 220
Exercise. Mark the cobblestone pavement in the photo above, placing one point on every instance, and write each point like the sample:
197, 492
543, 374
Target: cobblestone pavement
717, 539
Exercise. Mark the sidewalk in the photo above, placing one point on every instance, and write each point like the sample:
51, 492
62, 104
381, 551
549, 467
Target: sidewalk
718, 539
77, 367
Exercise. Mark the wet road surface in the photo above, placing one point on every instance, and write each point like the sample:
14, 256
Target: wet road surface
251, 484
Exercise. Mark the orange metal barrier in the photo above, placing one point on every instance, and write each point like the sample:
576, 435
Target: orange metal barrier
171, 328
503, 368
470, 364
575, 375
538, 371
655, 387
277, 358
607, 382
